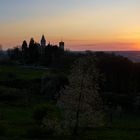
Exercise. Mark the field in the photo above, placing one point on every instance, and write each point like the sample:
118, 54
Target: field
16, 118
10, 72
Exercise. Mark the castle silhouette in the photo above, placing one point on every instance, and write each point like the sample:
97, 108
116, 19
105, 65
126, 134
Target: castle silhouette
43, 44
37, 52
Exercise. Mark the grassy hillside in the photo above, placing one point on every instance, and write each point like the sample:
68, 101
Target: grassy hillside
16, 111
12, 72
17, 121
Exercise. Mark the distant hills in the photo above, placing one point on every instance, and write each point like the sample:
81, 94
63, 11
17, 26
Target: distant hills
132, 55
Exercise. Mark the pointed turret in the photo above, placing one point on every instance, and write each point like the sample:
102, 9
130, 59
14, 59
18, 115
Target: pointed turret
43, 41
43, 45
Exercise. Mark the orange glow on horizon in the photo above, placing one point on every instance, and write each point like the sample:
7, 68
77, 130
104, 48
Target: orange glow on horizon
72, 44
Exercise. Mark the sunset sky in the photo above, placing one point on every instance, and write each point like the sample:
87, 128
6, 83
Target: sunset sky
82, 24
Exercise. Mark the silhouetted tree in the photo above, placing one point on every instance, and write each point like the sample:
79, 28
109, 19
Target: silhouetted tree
16, 54
36, 52
52, 84
33, 51
80, 99
31, 48
24, 50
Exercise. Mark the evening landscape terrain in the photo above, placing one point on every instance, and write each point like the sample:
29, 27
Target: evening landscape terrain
70, 70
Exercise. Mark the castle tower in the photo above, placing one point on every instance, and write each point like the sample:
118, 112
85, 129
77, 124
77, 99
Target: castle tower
43, 41
61, 45
43, 45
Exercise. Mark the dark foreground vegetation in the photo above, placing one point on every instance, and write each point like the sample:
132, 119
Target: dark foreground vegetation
90, 96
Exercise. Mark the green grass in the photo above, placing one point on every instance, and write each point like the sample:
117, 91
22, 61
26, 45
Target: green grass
18, 120
112, 134
125, 128
9, 72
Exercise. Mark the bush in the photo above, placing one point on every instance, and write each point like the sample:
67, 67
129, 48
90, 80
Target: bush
52, 85
48, 117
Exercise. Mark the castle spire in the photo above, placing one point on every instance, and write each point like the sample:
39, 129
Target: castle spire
43, 41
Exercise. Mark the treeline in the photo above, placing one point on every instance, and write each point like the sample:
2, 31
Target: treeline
122, 80
121, 76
